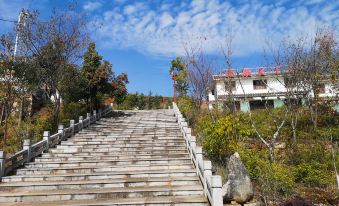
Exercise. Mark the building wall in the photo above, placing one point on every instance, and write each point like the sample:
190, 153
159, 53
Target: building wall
274, 84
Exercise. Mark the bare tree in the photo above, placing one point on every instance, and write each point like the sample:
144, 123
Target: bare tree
288, 58
321, 61
200, 71
229, 82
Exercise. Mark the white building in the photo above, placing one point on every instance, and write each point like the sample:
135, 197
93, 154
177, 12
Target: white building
259, 89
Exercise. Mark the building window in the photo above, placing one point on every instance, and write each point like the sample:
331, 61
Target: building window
230, 85
260, 84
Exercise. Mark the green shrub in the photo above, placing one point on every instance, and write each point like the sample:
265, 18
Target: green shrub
220, 137
313, 174
313, 164
273, 178
188, 108
70, 111
43, 121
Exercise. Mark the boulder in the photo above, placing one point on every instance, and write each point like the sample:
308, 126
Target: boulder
238, 186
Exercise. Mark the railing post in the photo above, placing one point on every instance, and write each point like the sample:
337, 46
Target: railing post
183, 129
193, 145
94, 115
61, 132
71, 125
46, 137
180, 119
2, 163
199, 159
27, 145
81, 119
216, 185
207, 173
188, 132
89, 119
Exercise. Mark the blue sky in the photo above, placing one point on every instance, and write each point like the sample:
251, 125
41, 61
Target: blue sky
141, 37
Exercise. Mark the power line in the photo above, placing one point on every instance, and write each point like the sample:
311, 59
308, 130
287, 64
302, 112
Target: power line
8, 20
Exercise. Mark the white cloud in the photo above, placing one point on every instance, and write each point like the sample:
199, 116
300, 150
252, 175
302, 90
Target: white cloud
130, 9
165, 20
162, 30
91, 6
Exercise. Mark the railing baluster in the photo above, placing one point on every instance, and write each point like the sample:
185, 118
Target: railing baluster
27, 145
216, 185
61, 132
46, 137
81, 118
2, 163
71, 125
88, 119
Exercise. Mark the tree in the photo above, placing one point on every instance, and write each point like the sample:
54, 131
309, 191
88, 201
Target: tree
179, 67
92, 61
101, 79
119, 90
52, 45
18, 78
72, 86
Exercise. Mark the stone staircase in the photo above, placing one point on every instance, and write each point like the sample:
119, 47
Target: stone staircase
135, 158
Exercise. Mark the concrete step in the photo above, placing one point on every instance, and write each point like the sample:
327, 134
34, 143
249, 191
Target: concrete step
131, 126
95, 163
48, 158
119, 149
103, 183
117, 138
129, 135
84, 194
121, 140
102, 175
129, 153
84, 170
122, 144
194, 200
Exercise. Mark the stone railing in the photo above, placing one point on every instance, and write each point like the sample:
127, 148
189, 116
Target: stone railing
212, 183
29, 152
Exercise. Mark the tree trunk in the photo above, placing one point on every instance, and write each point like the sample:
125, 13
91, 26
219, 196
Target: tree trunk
6, 127
294, 128
20, 112
56, 111
334, 162
2, 114
271, 151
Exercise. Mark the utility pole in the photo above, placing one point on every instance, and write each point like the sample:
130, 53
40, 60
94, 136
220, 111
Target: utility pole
21, 24
22, 16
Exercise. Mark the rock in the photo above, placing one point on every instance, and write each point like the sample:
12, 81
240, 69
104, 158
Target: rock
238, 186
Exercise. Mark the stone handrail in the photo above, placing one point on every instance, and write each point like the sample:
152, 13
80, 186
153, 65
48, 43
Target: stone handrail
212, 183
29, 152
